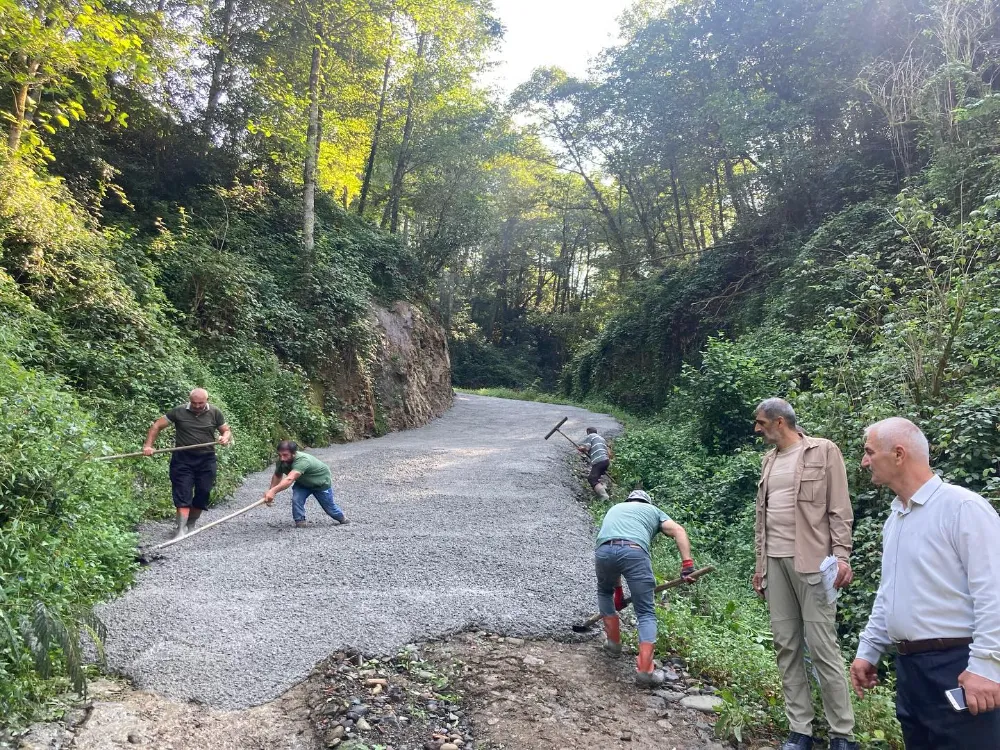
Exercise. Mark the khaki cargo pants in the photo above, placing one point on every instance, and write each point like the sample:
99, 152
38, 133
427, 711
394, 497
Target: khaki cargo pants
800, 615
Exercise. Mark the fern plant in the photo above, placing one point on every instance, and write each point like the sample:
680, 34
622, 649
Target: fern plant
54, 640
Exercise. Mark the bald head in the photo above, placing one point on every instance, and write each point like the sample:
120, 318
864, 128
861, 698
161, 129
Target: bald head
897, 431
898, 456
199, 399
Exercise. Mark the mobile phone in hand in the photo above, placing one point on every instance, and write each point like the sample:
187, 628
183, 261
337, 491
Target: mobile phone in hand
956, 697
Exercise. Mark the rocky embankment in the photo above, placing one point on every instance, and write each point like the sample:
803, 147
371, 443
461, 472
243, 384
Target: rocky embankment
403, 381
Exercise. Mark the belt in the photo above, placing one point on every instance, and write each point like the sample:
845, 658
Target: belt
906, 648
622, 543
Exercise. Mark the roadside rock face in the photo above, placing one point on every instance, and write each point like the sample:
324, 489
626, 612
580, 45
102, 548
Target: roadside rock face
413, 376
403, 381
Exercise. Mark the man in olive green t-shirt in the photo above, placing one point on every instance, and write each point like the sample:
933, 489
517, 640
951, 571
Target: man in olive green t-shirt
192, 472
306, 475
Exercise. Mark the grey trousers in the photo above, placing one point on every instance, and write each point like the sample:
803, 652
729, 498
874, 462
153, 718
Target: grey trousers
800, 615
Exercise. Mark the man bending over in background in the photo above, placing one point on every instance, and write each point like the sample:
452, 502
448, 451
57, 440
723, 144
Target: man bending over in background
596, 449
306, 475
623, 550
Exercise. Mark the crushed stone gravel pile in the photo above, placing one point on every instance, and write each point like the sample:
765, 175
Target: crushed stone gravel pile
470, 521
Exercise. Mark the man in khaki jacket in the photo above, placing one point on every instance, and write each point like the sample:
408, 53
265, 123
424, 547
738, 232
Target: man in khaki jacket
803, 516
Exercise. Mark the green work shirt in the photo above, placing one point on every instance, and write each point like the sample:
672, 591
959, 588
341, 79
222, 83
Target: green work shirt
191, 428
313, 473
637, 522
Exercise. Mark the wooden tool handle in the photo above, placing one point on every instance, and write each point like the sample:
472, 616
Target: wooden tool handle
207, 526
568, 438
662, 587
160, 450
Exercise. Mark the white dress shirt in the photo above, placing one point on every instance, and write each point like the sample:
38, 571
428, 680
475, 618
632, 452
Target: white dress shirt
940, 576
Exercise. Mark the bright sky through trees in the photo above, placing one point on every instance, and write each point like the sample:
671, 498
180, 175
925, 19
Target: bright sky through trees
566, 33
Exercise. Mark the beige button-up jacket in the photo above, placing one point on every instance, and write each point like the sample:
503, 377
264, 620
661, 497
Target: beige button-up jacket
824, 517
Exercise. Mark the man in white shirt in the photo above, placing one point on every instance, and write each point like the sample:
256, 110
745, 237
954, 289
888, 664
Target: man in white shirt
939, 598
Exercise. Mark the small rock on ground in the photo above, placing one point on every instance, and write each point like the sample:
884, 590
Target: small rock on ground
704, 703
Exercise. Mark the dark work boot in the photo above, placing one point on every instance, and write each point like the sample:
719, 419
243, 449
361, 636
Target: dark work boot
646, 674
180, 523
797, 741
840, 743
193, 517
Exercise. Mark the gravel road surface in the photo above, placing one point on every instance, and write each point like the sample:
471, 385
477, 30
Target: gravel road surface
468, 522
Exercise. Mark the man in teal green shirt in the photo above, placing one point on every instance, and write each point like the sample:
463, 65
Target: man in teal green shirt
623, 550
306, 475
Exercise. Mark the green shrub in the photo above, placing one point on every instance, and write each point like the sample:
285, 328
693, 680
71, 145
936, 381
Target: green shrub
64, 523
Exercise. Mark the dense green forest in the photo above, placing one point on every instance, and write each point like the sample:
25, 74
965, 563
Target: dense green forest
790, 197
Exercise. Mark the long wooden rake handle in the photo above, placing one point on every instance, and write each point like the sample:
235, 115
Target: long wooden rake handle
160, 450
207, 526
568, 438
662, 587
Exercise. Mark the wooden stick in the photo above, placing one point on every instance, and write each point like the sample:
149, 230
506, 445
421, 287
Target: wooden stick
207, 526
568, 438
160, 450
662, 587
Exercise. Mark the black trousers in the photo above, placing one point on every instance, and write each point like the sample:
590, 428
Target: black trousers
192, 476
929, 722
597, 470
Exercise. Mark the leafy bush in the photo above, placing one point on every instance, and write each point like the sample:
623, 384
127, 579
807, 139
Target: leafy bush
64, 529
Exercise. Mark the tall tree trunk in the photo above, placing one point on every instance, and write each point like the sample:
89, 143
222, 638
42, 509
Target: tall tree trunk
539, 279
699, 243
379, 118
677, 203
613, 229
312, 151
390, 218
641, 213
734, 190
585, 293
21, 97
562, 272
219, 62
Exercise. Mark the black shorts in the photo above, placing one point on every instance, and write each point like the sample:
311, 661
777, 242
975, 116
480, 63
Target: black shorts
597, 470
192, 476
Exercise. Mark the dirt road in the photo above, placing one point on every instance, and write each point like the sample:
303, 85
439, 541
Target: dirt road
468, 522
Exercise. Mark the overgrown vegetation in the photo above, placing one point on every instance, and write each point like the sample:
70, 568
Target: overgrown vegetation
791, 197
